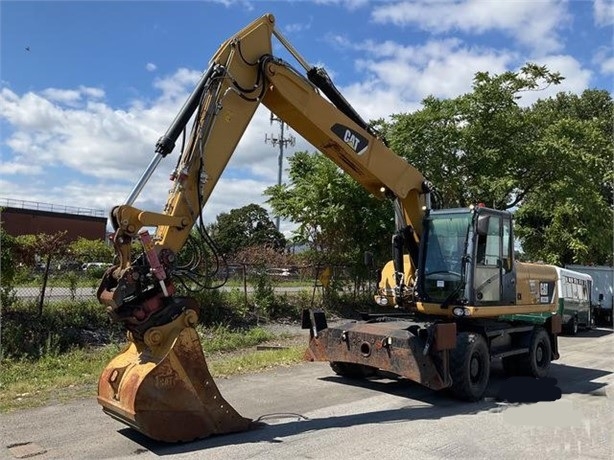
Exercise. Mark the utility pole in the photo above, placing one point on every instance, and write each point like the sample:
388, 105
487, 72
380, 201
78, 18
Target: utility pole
282, 142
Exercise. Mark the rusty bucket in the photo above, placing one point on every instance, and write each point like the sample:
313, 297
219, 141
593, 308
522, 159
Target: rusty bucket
161, 386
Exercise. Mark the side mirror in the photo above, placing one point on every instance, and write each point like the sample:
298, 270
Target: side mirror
482, 226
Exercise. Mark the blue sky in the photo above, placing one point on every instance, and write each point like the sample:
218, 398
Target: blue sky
81, 110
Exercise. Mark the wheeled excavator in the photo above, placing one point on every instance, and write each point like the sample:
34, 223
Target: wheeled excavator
461, 298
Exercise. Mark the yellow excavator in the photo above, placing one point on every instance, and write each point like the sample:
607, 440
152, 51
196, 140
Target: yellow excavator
461, 299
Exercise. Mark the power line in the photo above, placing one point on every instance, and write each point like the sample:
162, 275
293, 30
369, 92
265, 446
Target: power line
282, 142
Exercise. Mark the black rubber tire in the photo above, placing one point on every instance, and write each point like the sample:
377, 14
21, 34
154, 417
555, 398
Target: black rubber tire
537, 362
470, 366
352, 370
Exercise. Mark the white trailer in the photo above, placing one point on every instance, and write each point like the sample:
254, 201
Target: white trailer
602, 295
574, 289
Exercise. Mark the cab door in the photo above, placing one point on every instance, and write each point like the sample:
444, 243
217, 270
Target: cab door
494, 280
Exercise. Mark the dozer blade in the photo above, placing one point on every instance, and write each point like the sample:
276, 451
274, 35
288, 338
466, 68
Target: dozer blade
161, 386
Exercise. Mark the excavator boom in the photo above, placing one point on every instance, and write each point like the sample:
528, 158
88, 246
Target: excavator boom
160, 384
455, 267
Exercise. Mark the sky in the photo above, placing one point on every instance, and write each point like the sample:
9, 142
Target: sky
87, 88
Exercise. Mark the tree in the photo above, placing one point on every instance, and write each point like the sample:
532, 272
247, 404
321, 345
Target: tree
477, 147
571, 219
336, 217
245, 227
41, 248
550, 163
7, 267
84, 250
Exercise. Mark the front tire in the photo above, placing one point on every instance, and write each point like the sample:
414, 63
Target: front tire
470, 366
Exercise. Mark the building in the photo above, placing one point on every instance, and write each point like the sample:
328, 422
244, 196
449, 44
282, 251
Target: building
21, 217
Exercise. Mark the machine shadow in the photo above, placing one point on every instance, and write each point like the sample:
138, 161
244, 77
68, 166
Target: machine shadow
597, 332
276, 433
566, 379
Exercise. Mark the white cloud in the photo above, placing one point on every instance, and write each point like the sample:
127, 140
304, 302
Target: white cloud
15, 167
607, 66
533, 24
245, 4
396, 77
604, 12
72, 96
348, 4
62, 95
298, 26
108, 149
150, 67
77, 132
177, 85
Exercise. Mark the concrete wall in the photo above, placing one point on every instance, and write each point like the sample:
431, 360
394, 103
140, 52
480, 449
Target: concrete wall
17, 221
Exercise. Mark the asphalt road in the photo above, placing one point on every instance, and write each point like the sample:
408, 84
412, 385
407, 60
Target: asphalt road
307, 412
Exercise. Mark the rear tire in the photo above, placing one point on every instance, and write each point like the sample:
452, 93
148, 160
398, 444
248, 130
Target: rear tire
537, 362
352, 370
470, 366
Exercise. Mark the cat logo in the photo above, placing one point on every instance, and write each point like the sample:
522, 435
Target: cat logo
350, 137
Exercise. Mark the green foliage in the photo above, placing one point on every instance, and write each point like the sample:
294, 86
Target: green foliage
215, 307
550, 162
265, 301
222, 338
41, 247
258, 360
73, 281
84, 250
62, 326
246, 227
30, 383
570, 220
478, 146
336, 217
7, 267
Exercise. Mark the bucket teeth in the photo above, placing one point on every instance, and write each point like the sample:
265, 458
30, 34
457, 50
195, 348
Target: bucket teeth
162, 387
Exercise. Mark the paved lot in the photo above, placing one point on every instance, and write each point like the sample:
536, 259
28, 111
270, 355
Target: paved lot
310, 413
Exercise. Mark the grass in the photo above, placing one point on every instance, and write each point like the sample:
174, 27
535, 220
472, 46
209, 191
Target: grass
62, 377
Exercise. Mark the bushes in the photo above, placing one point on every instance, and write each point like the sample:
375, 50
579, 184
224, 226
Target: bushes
60, 327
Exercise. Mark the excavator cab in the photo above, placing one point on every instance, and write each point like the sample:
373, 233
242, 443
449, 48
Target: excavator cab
467, 258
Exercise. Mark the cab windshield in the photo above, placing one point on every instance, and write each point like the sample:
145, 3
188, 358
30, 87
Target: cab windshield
443, 257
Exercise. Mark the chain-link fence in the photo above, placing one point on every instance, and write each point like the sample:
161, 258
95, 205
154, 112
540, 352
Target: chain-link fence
57, 283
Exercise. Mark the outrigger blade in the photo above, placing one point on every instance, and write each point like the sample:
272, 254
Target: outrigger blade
161, 386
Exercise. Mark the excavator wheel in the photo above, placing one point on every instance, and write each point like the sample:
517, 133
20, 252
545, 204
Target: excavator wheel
537, 362
470, 366
161, 386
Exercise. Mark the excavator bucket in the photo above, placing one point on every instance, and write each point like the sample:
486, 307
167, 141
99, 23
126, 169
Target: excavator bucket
161, 386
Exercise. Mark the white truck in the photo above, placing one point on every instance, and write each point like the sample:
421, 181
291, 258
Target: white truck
602, 294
